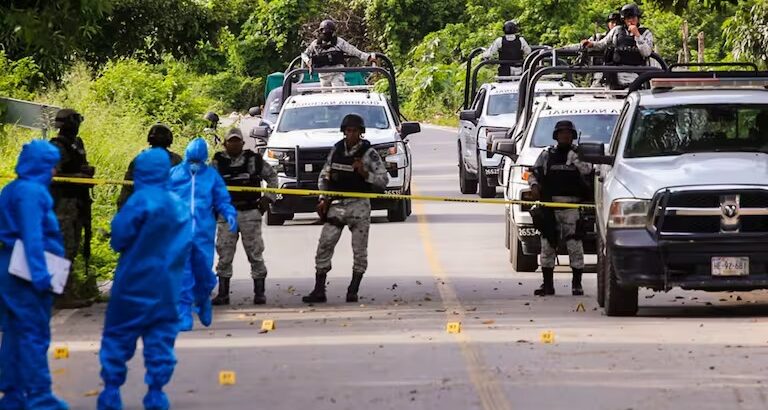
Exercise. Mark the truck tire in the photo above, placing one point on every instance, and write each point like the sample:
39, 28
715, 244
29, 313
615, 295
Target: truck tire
600, 272
399, 213
619, 300
467, 184
484, 190
275, 219
520, 261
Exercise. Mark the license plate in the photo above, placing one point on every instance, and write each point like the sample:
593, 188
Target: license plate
730, 266
307, 167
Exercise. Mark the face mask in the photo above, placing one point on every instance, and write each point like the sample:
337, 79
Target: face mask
563, 147
195, 167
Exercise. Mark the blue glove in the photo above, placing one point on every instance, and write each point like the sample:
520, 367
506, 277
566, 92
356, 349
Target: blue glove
232, 221
42, 284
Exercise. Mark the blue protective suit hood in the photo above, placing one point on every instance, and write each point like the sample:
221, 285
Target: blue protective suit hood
36, 161
197, 151
152, 168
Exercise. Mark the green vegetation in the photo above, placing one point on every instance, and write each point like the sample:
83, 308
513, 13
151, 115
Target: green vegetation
126, 64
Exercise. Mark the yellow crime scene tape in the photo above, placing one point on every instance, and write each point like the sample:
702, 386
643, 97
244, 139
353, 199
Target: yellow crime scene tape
337, 194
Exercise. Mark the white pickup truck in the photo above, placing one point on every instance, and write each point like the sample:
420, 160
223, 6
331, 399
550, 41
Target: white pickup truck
682, 188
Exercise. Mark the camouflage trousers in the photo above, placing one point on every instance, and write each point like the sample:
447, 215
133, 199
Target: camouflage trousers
566, 221
355, 214
71, 225
249, 228
332, 79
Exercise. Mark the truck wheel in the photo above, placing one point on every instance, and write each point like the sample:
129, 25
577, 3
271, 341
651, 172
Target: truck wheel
485, 191
399, 213
274, 219
600, 272
467, 184
520, 261
619, 300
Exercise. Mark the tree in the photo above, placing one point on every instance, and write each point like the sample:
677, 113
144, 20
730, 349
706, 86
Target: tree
746, 32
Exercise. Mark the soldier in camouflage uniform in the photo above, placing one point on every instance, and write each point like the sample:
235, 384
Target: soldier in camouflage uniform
352, 166
72, 201
159, 136
558, 176
243, 168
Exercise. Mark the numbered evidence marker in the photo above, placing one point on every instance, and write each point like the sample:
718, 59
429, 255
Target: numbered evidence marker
227, 378
453, 327
548, 337
580, 308
268, 325
61, 352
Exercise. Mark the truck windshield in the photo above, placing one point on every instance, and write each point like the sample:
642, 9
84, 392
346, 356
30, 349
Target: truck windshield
330, 116
502, 104
592, 128
687, 129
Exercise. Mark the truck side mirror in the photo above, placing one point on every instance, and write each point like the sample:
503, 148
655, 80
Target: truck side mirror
260, 132
254, 111
468, 115
594, 153
505, 147
409, 128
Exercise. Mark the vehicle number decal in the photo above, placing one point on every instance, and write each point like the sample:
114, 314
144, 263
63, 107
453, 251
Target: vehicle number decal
523, 232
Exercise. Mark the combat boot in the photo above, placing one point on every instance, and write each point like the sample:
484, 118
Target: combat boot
576, 289
354, 287
223, 297
318, 294
258, 292
548, 287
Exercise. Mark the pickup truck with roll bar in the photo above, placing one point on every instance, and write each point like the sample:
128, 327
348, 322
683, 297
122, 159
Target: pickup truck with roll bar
594, 110
307, 127
681, 191
484, 113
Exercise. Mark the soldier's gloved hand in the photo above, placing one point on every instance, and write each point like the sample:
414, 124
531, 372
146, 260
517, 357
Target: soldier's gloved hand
232, 221
42, 284
322, 209
88, 170
264, 203
535, 192
571, 158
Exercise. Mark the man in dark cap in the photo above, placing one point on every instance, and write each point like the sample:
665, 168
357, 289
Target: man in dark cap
73, 202
330, 51
558, 176
243, 168
160, 136
510, 47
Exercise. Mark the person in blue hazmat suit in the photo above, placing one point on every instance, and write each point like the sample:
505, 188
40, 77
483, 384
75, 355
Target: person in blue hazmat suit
26, 214
152, 234
205, 195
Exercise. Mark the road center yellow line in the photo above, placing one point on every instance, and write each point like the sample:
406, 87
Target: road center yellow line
489, 391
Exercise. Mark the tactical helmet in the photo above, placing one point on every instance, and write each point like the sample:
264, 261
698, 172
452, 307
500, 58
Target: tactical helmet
564, 125
327, 26
630, 10
510, 27
353, 120
160, 135
68, 117
614, 16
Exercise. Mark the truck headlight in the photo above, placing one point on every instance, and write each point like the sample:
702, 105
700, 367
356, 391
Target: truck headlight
277, 158
392, 154
629, 213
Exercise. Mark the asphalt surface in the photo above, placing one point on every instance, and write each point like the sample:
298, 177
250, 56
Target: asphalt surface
446, 263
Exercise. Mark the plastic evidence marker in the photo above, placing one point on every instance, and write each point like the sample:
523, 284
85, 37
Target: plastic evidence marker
453, 327
580, 308
548, 337
61, 352
227, 378
268, 325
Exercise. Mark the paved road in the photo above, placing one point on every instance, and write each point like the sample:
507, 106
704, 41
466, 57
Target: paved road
447, 263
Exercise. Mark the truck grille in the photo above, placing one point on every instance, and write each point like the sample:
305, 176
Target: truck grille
711, 211
305, 165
